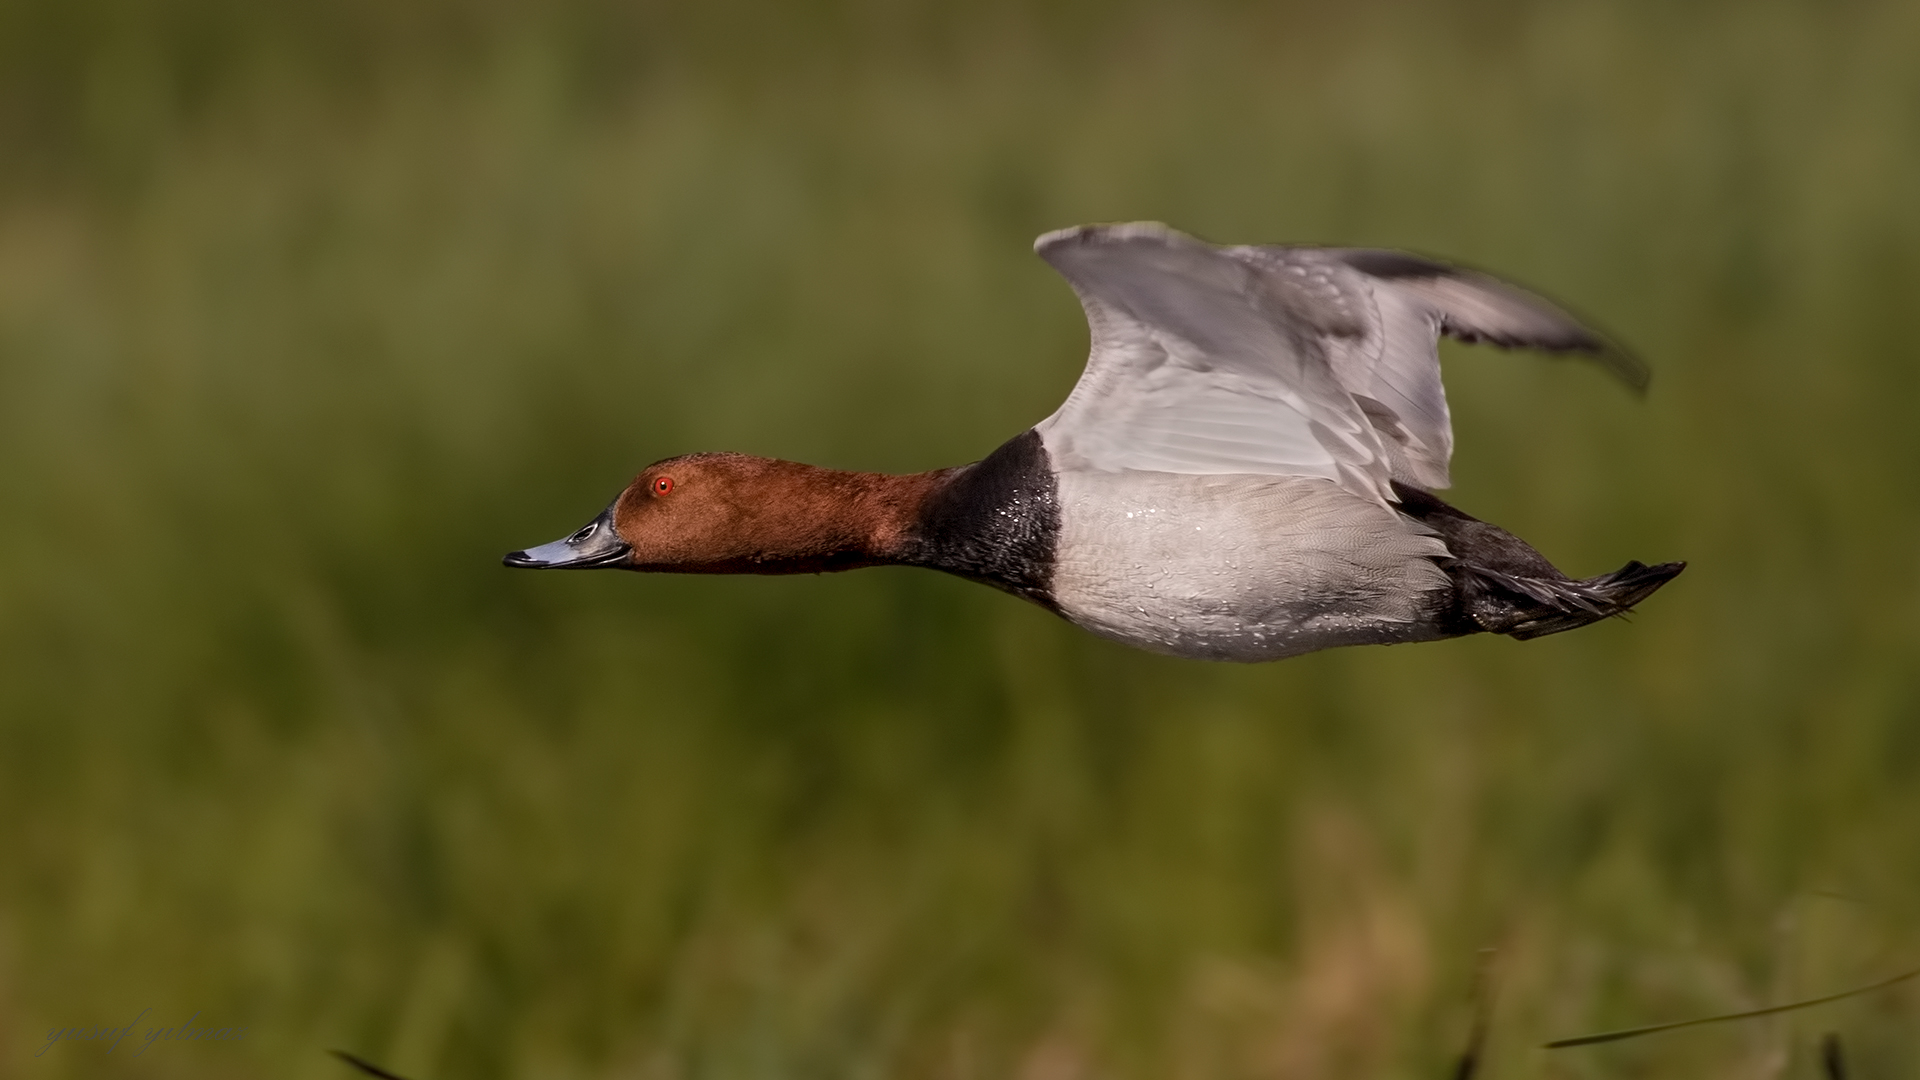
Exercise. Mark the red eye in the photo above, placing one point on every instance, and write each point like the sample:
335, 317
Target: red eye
663, 485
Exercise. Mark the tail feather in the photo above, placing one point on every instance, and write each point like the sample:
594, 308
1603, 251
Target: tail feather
1531, 607
1502, 586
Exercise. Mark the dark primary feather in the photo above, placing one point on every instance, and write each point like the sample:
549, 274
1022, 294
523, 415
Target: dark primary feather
1476, 307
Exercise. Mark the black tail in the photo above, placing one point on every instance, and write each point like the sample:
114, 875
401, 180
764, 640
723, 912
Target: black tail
1530, 607
1503, 586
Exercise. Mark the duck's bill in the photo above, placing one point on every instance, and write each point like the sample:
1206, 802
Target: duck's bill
597, 545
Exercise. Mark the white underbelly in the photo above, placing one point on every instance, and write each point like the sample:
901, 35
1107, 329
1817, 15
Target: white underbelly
1238, 567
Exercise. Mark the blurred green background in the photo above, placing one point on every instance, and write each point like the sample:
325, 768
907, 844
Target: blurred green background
310, 311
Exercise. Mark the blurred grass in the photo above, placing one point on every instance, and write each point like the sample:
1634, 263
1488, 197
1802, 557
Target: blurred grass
308, 312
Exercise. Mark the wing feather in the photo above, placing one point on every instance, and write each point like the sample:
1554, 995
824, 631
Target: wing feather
1293, 361
1201, 364
1479, 307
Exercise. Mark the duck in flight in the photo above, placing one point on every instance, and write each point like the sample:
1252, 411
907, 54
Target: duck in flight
1245, 471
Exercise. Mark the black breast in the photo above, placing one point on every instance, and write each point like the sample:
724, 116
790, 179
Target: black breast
996, 521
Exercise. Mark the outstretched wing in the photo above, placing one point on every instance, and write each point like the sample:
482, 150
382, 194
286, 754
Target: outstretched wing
1394, 370
1287, 360
1204, 363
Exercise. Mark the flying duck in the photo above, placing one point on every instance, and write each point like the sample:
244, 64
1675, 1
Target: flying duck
1245, 471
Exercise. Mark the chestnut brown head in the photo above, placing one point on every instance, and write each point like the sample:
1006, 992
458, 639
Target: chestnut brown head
726, 513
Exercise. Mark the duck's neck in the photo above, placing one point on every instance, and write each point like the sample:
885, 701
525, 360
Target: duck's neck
803, 519
994, 521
